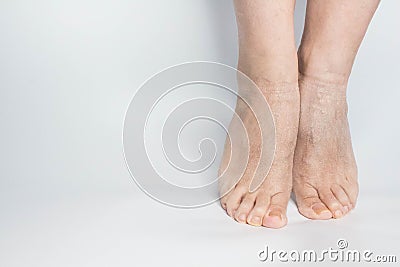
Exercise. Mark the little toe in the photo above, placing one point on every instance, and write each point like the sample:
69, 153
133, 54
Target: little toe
351, 190
332, 203
257, 214
223, 201
233, 201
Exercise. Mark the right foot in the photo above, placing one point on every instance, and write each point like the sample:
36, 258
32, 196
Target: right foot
266, 206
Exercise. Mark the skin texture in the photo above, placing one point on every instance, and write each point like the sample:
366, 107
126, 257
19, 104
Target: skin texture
306, 91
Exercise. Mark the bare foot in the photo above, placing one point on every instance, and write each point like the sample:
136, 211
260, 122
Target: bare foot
324, 171
267, 205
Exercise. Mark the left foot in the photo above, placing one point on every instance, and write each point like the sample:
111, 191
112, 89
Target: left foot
324, 171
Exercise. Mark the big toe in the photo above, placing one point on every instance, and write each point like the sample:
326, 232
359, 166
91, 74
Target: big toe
275, 219
312, 207
276, 215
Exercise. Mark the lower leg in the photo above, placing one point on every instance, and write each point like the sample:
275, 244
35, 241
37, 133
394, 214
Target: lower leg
332, 35
266, 39
325, 172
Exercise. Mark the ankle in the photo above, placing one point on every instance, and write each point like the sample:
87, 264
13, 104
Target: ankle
269, 69
324, 95
322, 82
324, 66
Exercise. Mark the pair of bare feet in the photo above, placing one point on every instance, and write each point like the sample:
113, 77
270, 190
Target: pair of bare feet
313, 156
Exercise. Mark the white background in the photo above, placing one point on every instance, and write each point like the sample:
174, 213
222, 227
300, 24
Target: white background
68, 70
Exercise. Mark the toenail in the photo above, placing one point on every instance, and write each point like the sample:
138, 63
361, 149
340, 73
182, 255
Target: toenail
346, 209
242, 217
323, 211
319, 210
338, 213
256, 220
275, 213
233, 212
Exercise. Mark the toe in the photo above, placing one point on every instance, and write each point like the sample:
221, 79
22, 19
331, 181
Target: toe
257, 214
341, 195
320, 210
312, 208
274, 219
351, 190
244, 209
331, 202
222, 201
233, 200
276, 214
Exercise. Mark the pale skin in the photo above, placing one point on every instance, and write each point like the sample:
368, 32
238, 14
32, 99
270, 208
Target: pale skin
306, 91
